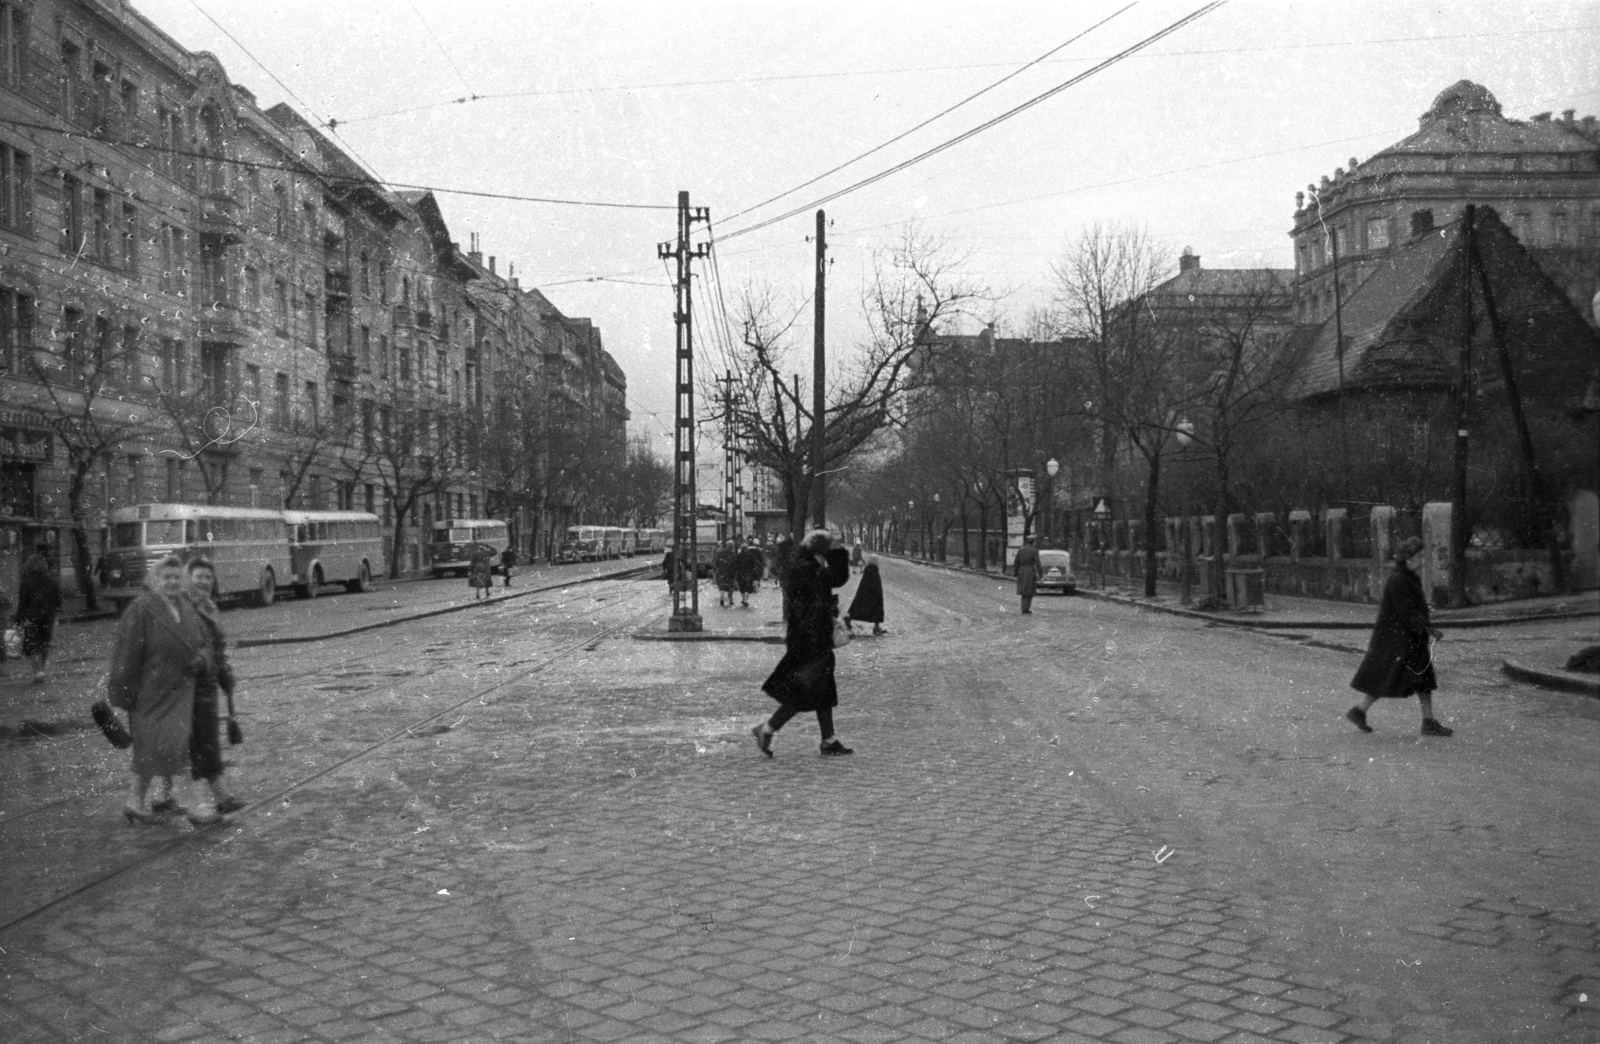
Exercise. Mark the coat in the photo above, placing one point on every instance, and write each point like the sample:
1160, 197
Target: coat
160, 650
803, 679
480, 573
38, 604
723, 565
205, 745
748, 567
867, 605
1027, 569
1398, 663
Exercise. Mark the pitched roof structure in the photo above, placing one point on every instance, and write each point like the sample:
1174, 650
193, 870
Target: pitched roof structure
1402, 327
1466, 117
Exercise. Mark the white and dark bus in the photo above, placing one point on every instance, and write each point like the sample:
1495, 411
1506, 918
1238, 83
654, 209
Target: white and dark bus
248, 547
455, 539
333, 547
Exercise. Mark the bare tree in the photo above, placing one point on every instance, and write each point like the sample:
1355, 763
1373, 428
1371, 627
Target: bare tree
412, 450
86, 396
1125, 354
915, 283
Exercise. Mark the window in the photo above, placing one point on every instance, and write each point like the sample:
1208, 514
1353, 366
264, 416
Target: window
101, 86
104, 251
69, 73
383, 357
383, 282
280, 404
280, 202
252, 289
13, 43
442, 372
130, 238
366, 275
455, 387
16, 329
366, 348
370, 500
128, 105
215, 364
367, 421
72, 238
252, 374
1377, 233
103, 362
174, 480
172, 366
72, 342
308, 221
280, 293
16, 188
405, 363
1558, 228
135, 478
312, 411
341, 414
311, 319
132, 372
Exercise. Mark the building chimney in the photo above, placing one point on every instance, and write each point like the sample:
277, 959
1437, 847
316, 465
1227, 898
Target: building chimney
1568, 114
491, 264
1421, 222
1189, 261
474, 254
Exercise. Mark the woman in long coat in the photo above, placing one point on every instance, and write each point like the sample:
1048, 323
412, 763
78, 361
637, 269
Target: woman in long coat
803, 680
867, 605
748, 565
480, 571
159, 651
38, 604
1027, 568
724, 568
205, 741
1398, 663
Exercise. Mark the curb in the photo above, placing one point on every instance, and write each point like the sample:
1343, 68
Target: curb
252, 643
1562, 681
705, 636
1441, 622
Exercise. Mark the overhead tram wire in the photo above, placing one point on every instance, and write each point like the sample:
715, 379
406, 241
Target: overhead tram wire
987, 124
925, 69
431, 35
936, 116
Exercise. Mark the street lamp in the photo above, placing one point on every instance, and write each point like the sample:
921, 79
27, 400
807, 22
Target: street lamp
1052, 468
936, 519
1185, 540
911, 507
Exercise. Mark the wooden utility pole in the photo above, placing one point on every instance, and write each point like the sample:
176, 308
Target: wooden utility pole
819, 481
685, 603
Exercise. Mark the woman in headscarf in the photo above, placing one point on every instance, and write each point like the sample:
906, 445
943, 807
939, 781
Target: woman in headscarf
480, 573
803, 680
1398, 663
38, 604
867, 605
159, 652
205, 742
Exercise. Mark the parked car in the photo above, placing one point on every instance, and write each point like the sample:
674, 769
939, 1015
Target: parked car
1055, 572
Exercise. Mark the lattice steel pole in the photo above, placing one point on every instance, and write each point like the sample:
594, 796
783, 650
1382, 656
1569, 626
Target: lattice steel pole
685, 602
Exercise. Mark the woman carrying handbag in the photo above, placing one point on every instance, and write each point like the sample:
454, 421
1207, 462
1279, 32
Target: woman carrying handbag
803, 680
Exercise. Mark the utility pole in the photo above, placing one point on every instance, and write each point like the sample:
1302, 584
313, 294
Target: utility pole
1458, 503
685, 604
730, 502
819, 481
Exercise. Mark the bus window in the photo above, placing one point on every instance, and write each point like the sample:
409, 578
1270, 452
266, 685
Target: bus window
127, 534
460, 534
164, 532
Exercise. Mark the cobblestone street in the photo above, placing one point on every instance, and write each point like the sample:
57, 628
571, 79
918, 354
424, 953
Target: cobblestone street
1091, 824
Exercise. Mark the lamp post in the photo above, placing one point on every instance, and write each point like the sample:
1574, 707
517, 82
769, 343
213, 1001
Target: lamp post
1052, 468
911, 507
937, 517
1185, 539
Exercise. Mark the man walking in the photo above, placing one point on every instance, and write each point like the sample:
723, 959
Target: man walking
1027, 570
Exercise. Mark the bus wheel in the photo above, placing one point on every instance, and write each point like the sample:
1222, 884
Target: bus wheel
362, 582
309, 589
267, 593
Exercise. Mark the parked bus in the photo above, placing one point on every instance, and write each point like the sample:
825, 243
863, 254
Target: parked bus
612, 540
248, 547
652, 542
582, 544
455, 539
333, 547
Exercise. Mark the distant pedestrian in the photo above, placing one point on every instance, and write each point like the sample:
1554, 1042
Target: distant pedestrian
747, 567
5, 622
782, 559
508, 562
480, 573
158, 654
215, 679
867, 605
1398, 663
1027, 570
803, 680
669, 569
38, 605
857, 556
724, 565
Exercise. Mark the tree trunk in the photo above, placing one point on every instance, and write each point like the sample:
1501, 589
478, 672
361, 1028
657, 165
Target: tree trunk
398, 544
1152, 490
80, 538
1219, 554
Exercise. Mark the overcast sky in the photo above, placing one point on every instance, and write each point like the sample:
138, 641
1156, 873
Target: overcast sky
1203, 138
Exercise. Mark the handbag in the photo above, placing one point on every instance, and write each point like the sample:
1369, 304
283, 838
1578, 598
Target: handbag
841, 634
115, 732
235, 733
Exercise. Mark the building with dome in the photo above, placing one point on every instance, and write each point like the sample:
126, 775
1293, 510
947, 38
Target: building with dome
1541, 175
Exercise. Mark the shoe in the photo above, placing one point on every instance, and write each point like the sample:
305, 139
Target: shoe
1358, 717
763, 740
834, 748
878, 630
1431, 727
203, 817
230, 804
168, 804
38, 679
139, 815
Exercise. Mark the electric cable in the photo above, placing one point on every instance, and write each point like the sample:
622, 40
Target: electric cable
463, 76
987, 124
938, 115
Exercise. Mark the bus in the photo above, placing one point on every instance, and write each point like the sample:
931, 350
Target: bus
455, 539
248, 547
583, 544
652, 542
613, 540
332, 547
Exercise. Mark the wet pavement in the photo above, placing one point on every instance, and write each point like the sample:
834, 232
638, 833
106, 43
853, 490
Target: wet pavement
1088, 824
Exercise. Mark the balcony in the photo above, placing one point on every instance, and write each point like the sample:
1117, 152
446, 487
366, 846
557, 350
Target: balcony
424, 319
341, 367
222, 216
221, 321
336, 284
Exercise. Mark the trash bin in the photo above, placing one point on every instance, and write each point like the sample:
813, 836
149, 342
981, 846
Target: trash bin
1246, 588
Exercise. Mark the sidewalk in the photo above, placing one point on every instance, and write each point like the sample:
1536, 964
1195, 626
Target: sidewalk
1290, 613
78, 654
